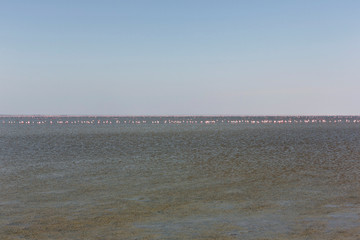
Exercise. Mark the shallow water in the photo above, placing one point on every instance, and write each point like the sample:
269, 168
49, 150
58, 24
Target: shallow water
181, 181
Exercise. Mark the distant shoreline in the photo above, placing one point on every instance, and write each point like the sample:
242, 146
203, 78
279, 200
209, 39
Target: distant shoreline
167, 116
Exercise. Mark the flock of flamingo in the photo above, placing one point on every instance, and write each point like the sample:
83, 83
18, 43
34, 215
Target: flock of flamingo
176, 120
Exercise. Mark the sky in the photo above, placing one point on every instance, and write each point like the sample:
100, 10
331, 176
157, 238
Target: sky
189, 57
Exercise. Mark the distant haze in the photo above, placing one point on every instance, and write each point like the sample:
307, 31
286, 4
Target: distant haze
197, 57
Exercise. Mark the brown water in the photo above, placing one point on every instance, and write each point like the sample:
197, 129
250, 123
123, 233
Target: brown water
187, 181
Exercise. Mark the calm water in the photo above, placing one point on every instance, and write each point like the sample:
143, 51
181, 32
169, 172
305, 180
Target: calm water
179, 181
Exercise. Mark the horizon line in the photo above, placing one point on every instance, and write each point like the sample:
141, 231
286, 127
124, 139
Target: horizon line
175, 115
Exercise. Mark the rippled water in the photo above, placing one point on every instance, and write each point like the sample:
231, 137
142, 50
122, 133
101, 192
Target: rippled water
220, 181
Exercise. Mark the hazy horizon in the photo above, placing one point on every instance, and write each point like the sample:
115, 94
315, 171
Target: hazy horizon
184, 115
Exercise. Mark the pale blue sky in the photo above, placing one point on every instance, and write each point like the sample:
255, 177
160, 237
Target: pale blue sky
180, 57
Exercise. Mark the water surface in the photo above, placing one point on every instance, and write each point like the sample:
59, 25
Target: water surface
179, 181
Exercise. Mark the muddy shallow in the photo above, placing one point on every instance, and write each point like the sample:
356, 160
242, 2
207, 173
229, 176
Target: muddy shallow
180, 182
